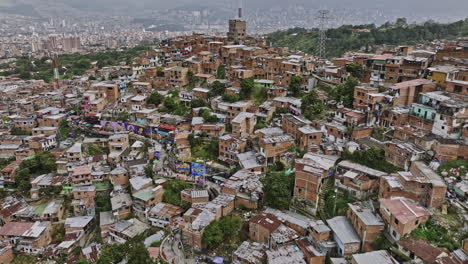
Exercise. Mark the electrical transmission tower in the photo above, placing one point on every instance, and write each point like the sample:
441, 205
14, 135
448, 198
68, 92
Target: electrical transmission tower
323, 17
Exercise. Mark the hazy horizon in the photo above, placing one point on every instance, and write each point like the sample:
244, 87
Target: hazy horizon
422, 8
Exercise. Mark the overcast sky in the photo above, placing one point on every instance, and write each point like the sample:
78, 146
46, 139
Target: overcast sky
423, 7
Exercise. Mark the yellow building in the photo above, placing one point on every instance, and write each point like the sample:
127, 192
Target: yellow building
441, 73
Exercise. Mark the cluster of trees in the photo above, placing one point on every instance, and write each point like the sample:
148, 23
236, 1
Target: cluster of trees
311, 105
64, 129
247, 86
172, 104
217, 88
438, 235
70, 64
204, 147
155, 99
230, 98
103, 202
192, 80
343, 39
40, 163
355, 69
249, 91
344, 92
5, 162
336, 203
224, 230
206, 114
221, 72
172, 191
133, 251
278, 187
295, 86
373, 158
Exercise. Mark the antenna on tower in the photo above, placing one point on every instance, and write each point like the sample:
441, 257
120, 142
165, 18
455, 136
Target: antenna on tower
323, 17
56, 71
239, 10
54, 58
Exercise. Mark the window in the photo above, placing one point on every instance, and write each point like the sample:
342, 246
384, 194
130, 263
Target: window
396, 221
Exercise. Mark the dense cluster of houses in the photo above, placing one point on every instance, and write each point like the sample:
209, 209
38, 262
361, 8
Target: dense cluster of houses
416, 94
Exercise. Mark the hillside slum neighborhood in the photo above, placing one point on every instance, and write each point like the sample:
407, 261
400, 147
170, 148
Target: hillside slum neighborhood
359, 159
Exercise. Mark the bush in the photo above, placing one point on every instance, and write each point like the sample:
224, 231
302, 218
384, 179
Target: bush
38, 164
19, 132
381, 243
278, 188
454, 168
373, 158
155, 99
436, 235
226, 229
172, 191
230, 98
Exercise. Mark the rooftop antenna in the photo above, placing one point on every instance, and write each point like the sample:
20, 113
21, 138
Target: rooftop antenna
54, 58
323, 17
239, 10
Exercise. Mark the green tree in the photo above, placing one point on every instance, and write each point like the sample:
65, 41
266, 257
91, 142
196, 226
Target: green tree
18, 131
295, 86
82, 261
40, 163
207, 116
197, 103
221, 72
401, 22
259, 95
247, 86
64, 129
5, 162
355, 69
231, 226
230, 98
224, 230
172, 191
103, 202
149, 170
155, 98
133, 251
311, 105
345, 92
173, 106
192, 79
213, 235
277, 188
217, 88
373, 158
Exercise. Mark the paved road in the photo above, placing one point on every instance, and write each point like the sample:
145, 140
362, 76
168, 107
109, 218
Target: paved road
172, 248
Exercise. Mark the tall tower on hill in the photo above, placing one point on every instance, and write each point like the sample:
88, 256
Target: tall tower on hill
237, 27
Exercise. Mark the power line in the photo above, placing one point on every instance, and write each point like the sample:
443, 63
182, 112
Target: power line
323, 17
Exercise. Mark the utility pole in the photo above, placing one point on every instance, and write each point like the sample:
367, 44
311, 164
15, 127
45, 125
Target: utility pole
323, 17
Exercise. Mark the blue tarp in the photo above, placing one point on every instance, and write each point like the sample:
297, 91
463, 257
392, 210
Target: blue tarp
218, 260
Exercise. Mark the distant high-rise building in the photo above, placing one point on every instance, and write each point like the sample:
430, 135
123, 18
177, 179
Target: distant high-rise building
53, 42
36, 45
71, 44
